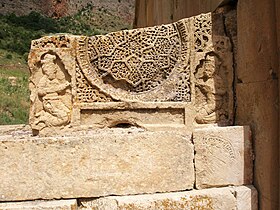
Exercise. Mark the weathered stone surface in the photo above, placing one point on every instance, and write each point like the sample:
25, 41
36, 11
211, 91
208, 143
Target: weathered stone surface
41, 205
95, 163
257, 91
257, 106
223, 156
156, 12
246, 198
184, 62
217, 198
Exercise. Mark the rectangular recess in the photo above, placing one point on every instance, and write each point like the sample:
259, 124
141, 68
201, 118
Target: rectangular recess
140, 116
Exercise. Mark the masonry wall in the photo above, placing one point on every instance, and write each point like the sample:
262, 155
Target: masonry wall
257, 92
256, 76
154, 12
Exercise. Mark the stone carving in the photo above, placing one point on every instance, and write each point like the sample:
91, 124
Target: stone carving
219, 154
213, 84
181, 62
149, 64
205, 83
86, 93
52, 98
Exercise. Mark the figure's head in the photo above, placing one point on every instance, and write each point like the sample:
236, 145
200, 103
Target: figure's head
209, 66
48, 67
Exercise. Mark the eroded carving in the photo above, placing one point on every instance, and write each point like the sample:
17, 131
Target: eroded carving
86, 93
61, 41
149, 64
180, 62
52, 97
213, 85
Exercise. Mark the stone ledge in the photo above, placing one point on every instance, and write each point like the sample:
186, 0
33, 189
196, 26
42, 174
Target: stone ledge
94, 164
223, 156
40, 205
237, 198
215, 198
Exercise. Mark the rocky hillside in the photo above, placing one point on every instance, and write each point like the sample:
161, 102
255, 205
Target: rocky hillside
61, 8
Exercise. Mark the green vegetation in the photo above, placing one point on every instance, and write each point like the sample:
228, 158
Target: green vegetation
14, 93
17, 32
15, 38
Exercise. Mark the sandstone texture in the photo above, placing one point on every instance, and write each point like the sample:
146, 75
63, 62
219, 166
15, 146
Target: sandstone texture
216, 199
229, 198
155, 12
246, 197
258, 91
223, 156
41, 205
95, 163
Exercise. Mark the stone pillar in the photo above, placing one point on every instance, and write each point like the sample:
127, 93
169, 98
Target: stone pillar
257, 92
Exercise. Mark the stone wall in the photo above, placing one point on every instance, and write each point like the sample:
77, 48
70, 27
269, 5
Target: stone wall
155, 12
257, 92
209, 168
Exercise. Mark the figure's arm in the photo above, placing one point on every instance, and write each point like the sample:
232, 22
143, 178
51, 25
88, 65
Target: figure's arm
41, 87
42, 91
62, 86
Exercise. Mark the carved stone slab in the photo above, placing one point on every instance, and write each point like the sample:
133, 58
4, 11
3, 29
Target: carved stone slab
180, 64
223, 156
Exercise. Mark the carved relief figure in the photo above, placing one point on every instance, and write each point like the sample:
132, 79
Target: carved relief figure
51, 89
210, 90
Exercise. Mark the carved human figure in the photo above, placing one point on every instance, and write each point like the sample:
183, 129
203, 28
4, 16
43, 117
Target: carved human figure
50, 91
213, 88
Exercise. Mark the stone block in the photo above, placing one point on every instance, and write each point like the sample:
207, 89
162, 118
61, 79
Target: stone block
223, 156
95, 163
41, 205
218, 199
246, 198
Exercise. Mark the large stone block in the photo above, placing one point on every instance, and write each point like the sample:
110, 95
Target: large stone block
95, 163
218, 199
41, 205
223, 156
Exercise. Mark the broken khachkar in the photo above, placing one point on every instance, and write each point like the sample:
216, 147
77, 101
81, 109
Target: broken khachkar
169, 75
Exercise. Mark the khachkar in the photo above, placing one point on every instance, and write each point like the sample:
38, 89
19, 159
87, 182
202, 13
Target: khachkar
142, 77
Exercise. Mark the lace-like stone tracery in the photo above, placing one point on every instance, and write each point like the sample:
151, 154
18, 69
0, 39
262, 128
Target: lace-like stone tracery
149, 64
87, 93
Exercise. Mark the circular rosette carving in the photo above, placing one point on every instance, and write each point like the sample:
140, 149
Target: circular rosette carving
136, 65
